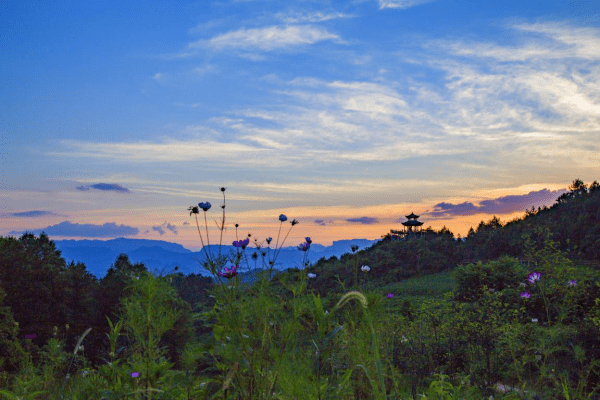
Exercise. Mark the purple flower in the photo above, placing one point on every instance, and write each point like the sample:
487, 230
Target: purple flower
304, 246
241, 243
31, 336
534, 277
390, 295
282, 218
572, 283
311, 275
229, 272
204, 206
525, 295
135, 374
308, 239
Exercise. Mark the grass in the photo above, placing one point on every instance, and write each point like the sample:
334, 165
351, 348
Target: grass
422, 287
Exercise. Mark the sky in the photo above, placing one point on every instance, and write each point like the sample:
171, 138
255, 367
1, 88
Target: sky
115, 117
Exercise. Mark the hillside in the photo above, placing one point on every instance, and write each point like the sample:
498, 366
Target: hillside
571, 226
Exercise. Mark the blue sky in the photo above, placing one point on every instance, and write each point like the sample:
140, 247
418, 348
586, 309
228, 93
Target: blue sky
347, 115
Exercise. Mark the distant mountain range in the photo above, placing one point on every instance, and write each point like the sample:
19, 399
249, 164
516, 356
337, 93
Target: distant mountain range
162, 256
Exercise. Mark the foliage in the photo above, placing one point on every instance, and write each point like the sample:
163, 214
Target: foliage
411, 325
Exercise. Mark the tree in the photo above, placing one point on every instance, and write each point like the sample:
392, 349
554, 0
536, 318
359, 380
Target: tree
30, 271
113, 287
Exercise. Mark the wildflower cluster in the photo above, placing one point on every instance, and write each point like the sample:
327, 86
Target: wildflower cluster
216, 263
306, 245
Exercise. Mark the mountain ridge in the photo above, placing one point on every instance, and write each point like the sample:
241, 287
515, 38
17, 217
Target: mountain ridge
162, 256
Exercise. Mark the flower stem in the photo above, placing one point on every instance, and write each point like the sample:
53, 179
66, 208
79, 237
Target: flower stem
207, 239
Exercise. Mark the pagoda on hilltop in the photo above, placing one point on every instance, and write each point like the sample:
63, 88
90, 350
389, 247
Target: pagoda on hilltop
411, 227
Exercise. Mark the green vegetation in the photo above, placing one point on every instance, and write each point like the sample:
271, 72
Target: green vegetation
424, 320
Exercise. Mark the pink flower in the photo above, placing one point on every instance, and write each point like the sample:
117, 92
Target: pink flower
525, 295
534, 277
390, 295
229, 272
135, 374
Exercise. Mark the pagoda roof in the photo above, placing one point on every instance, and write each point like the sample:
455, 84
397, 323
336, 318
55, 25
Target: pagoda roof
412, 222
412, 215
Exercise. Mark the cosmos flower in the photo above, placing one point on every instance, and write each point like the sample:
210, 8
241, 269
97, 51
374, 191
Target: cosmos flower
365, 268
572, 283
135, 374
525, 295
534, 277
229, 272
304, 246
311, 275
204, 206
241, 243
390, 295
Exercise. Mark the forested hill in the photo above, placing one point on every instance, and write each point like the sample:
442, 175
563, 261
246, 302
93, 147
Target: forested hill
573, 222
571, 226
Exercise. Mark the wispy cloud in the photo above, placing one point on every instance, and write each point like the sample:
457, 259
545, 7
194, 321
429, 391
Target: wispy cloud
578, 42
69, 229
268, 38
112, 187
165, 225
401, 3
310, 16
518, 111
500, 205
363, 220
32, 214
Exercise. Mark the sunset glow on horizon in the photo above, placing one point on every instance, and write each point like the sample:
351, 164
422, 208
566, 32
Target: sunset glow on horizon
346, 115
